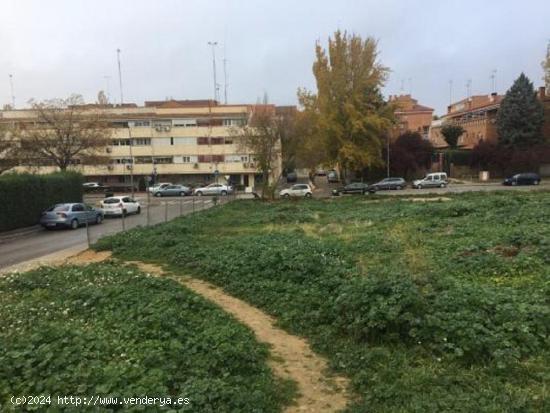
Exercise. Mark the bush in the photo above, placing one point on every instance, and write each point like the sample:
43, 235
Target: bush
25, 196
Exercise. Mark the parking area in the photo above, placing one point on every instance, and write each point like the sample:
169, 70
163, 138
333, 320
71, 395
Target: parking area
38, 242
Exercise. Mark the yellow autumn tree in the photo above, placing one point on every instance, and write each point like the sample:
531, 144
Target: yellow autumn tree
351, 116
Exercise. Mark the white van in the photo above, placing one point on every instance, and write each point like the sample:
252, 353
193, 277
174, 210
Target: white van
433, 180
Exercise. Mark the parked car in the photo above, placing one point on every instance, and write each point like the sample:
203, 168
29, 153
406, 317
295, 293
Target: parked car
433, 180
389, 183
70, 215
298, 190
523, 179
353, 188
94, 187
291, 177
213, 189
174, 190
332, 176
158, 186
320, 172
120, 205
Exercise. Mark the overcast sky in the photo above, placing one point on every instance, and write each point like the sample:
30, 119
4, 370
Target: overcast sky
57, 47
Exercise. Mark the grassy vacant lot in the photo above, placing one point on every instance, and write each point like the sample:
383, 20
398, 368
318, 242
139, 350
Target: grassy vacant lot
113, 331
428, 307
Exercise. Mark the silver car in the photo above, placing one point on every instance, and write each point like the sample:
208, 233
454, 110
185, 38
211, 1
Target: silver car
433, 180
213, 189
70, 215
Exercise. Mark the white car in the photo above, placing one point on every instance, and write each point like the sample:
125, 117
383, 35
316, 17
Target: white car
433, 180
158, 186
213, 189
120, 205
298, 190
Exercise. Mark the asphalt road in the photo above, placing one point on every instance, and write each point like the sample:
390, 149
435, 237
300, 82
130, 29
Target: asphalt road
17, 249
324, 189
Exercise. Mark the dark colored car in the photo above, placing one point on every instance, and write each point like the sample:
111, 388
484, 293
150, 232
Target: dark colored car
94, 187
353, 188
71, 216
174, 190
523, 179
291, 177
332, 176
389, 183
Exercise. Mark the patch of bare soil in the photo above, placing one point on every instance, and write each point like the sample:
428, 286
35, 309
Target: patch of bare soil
436, 199
291, 356
88, 257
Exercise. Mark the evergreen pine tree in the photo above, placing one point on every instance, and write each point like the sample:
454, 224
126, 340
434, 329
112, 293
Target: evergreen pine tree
520, 117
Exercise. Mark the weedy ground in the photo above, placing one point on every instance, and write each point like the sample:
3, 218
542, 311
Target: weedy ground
427, 306
111, 330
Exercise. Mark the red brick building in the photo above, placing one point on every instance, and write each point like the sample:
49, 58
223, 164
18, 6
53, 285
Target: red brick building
476, 114
411, 116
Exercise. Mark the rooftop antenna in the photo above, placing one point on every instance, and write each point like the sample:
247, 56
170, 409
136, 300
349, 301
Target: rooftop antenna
410, 86
120, 76
213, 46
468, 88
494, 81
12, 93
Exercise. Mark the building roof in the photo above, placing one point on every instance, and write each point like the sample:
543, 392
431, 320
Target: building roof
169, 104
406, 104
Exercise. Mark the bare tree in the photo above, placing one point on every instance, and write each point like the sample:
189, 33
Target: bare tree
64, 132
262, 139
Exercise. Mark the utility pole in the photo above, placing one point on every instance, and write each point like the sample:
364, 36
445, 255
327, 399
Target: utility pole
213, 46
387, 155
120, 76
12, 93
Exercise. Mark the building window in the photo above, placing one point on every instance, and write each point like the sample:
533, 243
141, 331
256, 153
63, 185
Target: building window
234, 122
122, 161
171, 141
141, 141
228, 141
121, 142
202, 141
144, 159
163, 160
140, 123
216, 141
186, 159
205, 158
184, 123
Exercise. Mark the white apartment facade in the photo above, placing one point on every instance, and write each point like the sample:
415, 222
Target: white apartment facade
171, 141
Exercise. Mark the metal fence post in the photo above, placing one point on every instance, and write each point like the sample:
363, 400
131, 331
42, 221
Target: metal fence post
166, 212
88, 232
148, 207
181, 207
193, 203
123, 214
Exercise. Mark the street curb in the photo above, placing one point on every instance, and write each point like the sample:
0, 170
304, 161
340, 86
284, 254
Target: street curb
8, 236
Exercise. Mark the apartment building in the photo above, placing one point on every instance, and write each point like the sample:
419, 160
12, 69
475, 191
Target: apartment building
411, 116
180, 141
476, 114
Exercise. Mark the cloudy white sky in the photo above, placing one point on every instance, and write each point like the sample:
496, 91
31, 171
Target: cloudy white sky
57, 47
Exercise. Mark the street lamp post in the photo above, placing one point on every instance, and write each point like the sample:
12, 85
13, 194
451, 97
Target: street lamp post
213, 46
387, 155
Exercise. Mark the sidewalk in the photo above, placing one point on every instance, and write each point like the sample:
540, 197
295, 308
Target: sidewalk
55, 258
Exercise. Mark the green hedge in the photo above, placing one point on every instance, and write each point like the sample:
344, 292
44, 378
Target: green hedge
23, 197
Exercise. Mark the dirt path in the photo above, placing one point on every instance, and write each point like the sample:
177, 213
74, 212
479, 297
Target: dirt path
292, 358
